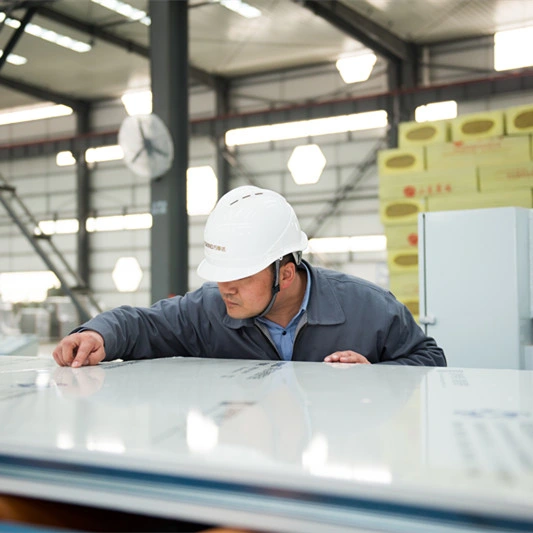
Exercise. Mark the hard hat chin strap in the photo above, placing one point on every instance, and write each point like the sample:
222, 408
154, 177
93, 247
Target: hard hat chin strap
275, 289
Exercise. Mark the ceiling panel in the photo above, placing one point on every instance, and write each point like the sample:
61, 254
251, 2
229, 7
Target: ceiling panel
224, 43
426, 21
286, 35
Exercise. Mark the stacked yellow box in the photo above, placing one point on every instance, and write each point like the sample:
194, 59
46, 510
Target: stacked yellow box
519, 120
474, 161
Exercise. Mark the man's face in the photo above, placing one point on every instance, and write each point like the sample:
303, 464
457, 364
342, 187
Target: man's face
247, 297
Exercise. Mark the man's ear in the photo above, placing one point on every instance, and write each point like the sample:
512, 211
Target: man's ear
287, 274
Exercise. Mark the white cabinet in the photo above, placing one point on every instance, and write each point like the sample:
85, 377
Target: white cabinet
475, 285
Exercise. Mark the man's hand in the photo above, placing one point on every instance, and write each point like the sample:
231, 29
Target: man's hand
347, 356
80, 349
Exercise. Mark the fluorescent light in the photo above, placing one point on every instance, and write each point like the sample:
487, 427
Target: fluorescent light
436, 111
512, 49
202, 190
137, 102
33, 112
357, 68
306, 164
14, 59
47, 35
241, 8
306, 128
126, 10
359, 243
104, 153
127, 274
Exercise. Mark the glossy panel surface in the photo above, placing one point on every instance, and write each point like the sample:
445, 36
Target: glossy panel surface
356, 437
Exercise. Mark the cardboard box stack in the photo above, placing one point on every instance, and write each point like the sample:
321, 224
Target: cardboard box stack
473, 161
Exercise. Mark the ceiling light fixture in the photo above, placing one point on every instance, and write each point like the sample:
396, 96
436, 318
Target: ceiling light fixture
126, 10
14, 59
242, 8
34, 112
47, 35
357, 68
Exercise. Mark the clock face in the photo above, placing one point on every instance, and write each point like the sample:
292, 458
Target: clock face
147, 145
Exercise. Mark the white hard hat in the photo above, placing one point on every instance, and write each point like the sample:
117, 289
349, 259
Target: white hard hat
248, 230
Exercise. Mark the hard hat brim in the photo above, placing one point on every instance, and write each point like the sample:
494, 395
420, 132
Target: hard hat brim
211, 272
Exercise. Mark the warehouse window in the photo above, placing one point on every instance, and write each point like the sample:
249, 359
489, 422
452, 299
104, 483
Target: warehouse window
18, 287
512, 49
202, 190
138, 102
436, 111
16, 115
307, 128
358, 243
64, 226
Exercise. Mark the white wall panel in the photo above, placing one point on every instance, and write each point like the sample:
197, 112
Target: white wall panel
108, 116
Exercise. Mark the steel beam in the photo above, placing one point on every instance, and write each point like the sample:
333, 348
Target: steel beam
96, 31
223, 167
17, 35
83, 179
170, 227
41, 94
361, 28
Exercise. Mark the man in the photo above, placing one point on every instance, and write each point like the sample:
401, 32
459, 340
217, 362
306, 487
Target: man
266, 303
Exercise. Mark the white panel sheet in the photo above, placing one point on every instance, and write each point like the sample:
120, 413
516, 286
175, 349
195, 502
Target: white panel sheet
324, 447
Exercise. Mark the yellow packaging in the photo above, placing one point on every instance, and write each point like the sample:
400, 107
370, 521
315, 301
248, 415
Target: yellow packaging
519, 120
401, 160
405, 284
515, 176
422, 133
401, 236
497, 151
428, 183
478, 126
513, 198
403, 211
405, 260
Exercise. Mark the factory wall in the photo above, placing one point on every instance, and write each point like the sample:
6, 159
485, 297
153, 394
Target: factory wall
49, 191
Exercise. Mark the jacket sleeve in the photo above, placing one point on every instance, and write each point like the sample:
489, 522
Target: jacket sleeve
405, 342
165, 329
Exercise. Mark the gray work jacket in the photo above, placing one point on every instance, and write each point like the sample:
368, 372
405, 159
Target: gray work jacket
344, 313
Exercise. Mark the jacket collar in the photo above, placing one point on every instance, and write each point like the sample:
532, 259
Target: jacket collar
323, 307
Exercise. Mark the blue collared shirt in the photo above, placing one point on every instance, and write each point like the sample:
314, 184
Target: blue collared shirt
284, 337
